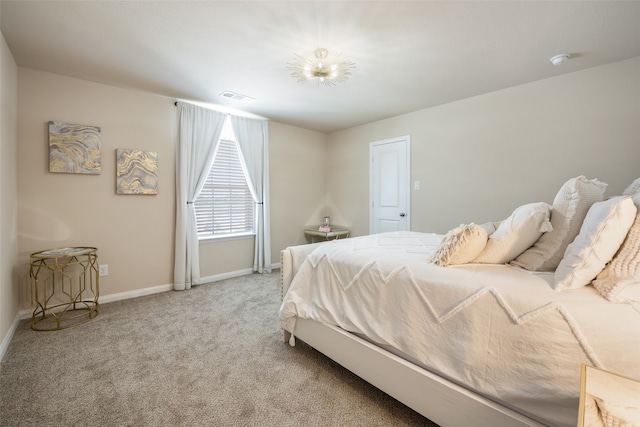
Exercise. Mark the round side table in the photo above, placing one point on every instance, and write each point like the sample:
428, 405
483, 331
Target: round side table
65, 287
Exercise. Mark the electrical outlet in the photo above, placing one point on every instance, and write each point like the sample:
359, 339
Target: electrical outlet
104, 270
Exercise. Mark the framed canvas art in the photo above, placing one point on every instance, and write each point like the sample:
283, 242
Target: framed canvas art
137, 171
74, 148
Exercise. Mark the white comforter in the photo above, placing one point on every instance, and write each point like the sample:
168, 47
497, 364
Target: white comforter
499, 330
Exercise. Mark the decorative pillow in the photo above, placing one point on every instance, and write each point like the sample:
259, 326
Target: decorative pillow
460, 245
624, 269
570, 206
618, 415
602, 233
490, 227
633, 188
516, 233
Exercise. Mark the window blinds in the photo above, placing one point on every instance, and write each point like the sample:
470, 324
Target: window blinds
225, 205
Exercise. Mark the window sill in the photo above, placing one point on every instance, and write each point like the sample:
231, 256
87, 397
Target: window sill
215, 239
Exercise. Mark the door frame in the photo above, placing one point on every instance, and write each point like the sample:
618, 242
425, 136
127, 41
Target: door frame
407, 140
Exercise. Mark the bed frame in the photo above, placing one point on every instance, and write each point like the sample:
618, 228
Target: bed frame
436, 398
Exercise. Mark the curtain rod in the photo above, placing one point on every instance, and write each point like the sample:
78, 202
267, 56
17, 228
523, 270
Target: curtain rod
228, 113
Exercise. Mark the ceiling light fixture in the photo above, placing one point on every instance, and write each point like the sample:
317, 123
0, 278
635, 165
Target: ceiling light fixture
322, 67
560, 59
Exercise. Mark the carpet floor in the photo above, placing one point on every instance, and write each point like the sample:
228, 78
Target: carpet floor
210, 356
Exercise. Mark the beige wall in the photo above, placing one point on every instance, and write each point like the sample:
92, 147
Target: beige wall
9, 294
135, 234
480, 158
298, 166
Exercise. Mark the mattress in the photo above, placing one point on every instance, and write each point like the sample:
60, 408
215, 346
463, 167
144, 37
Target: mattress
498, 330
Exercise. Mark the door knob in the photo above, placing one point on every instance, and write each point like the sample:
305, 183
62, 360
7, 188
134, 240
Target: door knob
402, 214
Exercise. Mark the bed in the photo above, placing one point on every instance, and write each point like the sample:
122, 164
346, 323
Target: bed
482, 344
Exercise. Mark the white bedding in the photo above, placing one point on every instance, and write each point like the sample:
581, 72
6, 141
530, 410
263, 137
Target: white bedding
496, 329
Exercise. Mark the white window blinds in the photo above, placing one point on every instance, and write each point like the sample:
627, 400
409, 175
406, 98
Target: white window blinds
225, 206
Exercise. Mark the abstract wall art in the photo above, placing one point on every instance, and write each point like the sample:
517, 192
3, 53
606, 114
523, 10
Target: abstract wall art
74, 148
137, 171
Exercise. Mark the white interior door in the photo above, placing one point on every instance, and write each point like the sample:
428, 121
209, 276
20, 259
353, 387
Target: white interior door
389, 184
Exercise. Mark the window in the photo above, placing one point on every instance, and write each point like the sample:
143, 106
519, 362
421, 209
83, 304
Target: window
225, 206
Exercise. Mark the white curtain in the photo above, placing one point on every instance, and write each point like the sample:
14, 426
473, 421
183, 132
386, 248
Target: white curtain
254, 150
199, 132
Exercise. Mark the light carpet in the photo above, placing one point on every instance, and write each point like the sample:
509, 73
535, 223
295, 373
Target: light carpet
210, 356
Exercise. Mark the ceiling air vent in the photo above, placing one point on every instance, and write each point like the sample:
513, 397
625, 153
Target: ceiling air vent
236, 96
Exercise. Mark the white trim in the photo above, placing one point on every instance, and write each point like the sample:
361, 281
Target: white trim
221, 237
105, 299
9, 336
231, 274
222, 276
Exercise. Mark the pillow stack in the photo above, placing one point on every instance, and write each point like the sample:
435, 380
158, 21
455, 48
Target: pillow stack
516, 234
632, 189
582, 238
624, 268
603, 231
494, 243
569, 208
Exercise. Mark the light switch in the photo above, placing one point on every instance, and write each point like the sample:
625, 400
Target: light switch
416, 185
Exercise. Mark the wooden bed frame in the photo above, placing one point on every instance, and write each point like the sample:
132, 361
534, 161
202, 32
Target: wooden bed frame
438, 399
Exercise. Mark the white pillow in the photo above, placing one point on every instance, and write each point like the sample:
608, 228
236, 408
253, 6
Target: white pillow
570, 206
490, 227
516, 233
633, 188
460, 245
624, 268
604, 228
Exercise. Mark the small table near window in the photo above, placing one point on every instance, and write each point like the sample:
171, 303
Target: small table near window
65, 287
319, 236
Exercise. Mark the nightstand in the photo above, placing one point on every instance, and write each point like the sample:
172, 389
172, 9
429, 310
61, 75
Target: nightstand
65, 287
319, 236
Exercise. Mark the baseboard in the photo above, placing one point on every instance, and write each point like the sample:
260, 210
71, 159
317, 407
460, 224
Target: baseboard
222, 276
105, 299
231, 274
9, 336
168, 287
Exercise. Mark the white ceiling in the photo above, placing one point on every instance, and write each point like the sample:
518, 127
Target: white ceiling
409, 55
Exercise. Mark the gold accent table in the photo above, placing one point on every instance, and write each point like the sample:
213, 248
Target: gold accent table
65, 287
335, 233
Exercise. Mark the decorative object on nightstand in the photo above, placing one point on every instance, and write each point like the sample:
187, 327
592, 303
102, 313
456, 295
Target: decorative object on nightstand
65, 287
326, 225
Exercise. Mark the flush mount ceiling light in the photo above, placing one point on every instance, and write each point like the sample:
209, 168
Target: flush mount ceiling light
560, 59
322, 67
